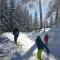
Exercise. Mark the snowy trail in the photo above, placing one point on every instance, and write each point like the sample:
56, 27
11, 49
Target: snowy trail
28, 50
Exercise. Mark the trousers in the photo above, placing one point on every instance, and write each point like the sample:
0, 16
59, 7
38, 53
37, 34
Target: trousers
39, 54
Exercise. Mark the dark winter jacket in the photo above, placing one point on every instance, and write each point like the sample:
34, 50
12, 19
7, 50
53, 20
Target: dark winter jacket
16, 32
40, 44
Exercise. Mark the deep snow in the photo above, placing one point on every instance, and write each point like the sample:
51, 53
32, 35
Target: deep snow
27, 48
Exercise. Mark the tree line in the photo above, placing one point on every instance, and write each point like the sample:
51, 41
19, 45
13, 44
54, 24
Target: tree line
54, 12
14, 14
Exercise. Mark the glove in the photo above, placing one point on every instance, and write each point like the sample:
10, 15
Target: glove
48, 51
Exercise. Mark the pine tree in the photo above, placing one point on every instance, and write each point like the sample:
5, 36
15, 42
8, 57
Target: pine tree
7, 15
12, 14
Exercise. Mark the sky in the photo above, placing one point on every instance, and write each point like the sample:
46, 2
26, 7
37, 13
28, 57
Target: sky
35, 7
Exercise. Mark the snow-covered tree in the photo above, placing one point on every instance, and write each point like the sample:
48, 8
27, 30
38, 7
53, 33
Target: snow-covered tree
54, 7
31, 22
40, 8
7, 8
51, 21
3, 15
36, 22
12, 14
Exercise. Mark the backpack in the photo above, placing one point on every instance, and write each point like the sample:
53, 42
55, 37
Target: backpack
17, 33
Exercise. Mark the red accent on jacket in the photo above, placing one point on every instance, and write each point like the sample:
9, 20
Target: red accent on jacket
46, 39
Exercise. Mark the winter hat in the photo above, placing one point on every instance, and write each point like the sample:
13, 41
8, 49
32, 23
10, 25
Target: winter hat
38, 37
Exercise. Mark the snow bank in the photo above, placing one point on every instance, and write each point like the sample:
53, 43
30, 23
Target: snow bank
54, 41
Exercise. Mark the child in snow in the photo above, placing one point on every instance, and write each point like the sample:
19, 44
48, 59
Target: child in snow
16, 34
40, 46
46, 39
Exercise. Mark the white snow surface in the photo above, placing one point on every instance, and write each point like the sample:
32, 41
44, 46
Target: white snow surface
27, 48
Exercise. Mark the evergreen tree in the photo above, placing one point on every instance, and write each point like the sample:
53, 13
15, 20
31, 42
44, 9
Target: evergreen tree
7, 15
3, 15
12, 14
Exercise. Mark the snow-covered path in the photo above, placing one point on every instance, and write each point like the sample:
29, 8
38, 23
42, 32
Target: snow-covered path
25, 52
27, 49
